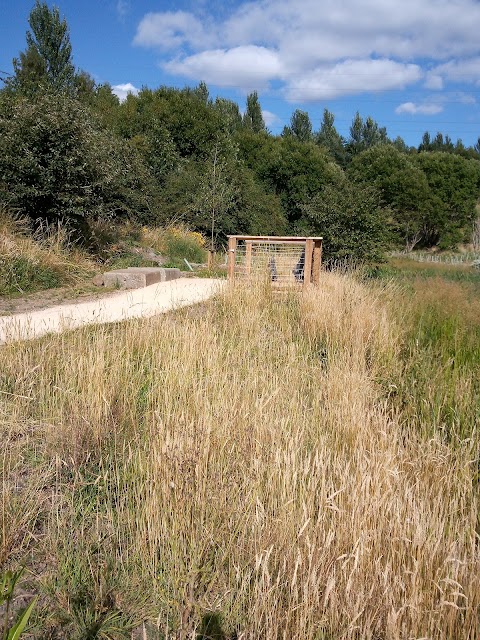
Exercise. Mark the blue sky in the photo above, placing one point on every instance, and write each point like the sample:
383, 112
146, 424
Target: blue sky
413, 65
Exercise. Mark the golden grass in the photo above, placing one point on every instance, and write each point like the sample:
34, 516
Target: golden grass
242, 461
48, 256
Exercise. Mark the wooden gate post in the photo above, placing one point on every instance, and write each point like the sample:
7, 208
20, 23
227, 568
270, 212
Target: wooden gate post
307, 269
317, 261
232, 250
248, 256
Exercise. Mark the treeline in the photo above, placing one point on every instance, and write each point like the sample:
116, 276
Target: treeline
71, 151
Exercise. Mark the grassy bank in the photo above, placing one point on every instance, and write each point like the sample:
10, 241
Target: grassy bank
260, 467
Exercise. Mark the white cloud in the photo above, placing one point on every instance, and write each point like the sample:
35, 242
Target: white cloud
428, 109
122, 7
172, 30
318, 50
122, 90
351, 77
433, 80
271, 119
463, 70
247, 67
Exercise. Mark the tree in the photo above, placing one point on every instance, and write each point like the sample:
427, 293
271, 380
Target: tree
48, 58
350, 219
217, 189
329, 138
454, 186
403, 186
301, 126
29, 73
365, 134
68, 169
229, 113
253, 118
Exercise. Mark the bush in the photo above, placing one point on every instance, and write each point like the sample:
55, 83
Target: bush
177, 243
56, 164
350, 219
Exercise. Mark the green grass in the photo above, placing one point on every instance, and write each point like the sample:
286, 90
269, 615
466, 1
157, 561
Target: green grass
20, 275
437, 385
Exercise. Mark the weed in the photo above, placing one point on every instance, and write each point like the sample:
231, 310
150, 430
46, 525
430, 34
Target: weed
8, 583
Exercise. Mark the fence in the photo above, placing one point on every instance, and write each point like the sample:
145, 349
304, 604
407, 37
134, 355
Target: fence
285, 260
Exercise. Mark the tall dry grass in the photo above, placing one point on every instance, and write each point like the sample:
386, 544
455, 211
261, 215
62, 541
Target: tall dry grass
41, 260
235, 466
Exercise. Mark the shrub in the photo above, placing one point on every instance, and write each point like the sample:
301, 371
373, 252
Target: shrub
177, 243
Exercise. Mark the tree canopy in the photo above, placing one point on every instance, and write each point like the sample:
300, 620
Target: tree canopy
71, 150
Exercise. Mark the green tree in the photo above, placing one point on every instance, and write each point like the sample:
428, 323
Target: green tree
48, 57
329, 138
350, 219
229, 113
217, 190
29, 73
253, 118
454, 184
68, 169
301, 126
365, 134
403, 186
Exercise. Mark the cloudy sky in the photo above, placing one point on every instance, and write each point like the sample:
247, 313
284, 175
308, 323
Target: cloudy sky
413, 65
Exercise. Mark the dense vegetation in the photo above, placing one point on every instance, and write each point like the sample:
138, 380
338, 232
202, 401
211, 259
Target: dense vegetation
69, 150
302, 467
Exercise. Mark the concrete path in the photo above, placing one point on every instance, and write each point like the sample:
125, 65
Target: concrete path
136, 303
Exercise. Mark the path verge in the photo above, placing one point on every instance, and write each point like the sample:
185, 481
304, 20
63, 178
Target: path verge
137, 303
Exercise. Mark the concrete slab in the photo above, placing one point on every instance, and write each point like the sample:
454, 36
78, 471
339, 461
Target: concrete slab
136, 277
139, 303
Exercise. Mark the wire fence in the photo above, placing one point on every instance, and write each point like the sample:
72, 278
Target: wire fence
282, 263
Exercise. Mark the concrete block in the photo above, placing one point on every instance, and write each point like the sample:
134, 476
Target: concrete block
136, 277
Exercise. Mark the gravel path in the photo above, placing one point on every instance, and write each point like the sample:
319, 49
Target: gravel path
136, 303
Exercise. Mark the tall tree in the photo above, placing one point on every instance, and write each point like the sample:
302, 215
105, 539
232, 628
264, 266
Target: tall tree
365, 134
217, 189
301, 125
253, 118
48, 57
329, 138
350, 218
68, 168
29, 72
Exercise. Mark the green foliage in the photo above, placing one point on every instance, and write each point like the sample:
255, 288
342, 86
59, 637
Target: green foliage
350, 219
217, 190
329, 138
432, 196
47, 62
365, 134
68, 169
8, 583
300, 126
297, 172
454, 185
253, 118
178, 243
21, 274
403, 185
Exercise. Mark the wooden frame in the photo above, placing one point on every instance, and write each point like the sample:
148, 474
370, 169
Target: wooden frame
313, 253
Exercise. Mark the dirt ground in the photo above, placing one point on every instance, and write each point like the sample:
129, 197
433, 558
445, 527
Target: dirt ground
52, 298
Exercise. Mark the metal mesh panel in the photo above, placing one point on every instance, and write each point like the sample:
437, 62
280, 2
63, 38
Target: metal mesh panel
281, 262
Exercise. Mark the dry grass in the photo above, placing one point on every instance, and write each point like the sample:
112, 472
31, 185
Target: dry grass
241, 462
42, 261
